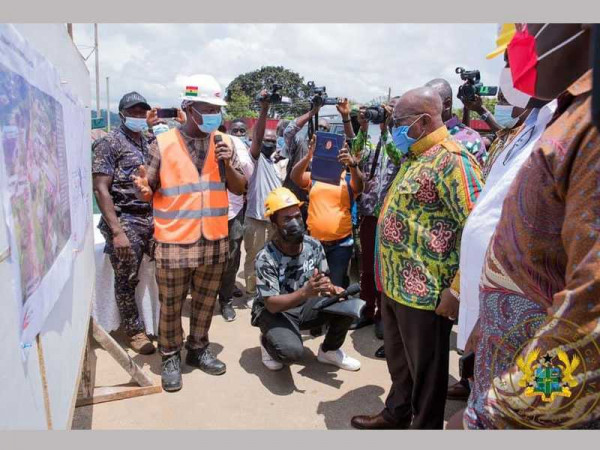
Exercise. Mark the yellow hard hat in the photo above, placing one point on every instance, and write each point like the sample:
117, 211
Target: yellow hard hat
280, 198
506, 31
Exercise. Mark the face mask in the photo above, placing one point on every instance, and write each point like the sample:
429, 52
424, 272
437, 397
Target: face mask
135, 124
293, 231
503, 115
280, 142
523, 58
268, 149
401, 139
210, 122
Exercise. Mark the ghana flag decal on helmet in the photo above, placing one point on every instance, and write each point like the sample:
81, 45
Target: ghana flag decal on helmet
192, 91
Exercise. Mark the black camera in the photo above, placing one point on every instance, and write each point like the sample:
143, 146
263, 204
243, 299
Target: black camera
375, 114
473, 85
273, 95
318, 96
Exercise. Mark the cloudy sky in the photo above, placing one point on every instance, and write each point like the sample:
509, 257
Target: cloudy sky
354, 60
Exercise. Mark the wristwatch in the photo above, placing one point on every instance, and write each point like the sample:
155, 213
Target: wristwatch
346, 121
485, 116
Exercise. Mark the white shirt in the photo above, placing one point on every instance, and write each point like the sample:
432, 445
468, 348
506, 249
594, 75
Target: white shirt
236, 202
482, 220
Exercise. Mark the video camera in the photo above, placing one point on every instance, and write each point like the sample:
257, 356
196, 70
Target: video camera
473, 85
376, 114
273, 94
318, 96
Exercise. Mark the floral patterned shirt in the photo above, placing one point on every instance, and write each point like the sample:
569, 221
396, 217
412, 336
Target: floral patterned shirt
420, 225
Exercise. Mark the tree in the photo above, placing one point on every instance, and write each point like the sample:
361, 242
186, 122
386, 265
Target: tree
293, 86
238, 105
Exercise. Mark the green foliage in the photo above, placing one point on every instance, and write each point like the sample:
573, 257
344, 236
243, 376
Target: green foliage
251, 83
238, 105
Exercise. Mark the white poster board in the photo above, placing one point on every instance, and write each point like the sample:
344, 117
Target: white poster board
53, 297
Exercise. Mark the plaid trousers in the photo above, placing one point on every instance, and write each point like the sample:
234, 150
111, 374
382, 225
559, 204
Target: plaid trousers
173, 287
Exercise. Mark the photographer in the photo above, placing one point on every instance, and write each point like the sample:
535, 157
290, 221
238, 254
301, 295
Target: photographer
297, 148
379, 167
291, 274
258, 229
466, 136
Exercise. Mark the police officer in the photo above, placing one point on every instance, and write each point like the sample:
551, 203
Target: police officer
126, 222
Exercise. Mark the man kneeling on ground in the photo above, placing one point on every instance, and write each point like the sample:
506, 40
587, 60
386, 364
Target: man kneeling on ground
291, 275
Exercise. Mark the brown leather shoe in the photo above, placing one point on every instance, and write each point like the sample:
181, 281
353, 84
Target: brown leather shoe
140, 343
458, 391
376, 422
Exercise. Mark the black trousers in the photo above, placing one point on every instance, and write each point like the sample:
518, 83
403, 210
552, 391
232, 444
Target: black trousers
281, 331
417, 347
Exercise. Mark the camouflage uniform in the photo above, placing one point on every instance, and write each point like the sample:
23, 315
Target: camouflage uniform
279, 274
118, 155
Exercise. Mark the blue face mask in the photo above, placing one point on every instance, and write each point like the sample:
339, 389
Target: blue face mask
503, 115
401, 139
280, 142
135, 124
210, 122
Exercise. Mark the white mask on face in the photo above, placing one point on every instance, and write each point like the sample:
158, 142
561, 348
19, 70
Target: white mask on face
512, 95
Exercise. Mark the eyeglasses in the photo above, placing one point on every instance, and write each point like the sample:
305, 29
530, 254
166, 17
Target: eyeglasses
399, 121
238, 130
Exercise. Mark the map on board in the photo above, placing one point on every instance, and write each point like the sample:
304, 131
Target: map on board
33, 148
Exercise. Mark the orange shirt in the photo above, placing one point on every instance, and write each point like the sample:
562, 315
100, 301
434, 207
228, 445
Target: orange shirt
329, 211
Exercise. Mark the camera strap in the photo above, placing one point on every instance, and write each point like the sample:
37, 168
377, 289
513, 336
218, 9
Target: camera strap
375, 160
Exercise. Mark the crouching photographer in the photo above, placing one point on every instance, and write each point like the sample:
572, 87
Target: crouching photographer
291, 275
378, 165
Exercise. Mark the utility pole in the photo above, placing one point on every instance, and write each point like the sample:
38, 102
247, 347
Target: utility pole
389, 94
97, 71
107, 105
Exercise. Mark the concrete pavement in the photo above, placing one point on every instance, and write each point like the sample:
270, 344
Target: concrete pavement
309, 395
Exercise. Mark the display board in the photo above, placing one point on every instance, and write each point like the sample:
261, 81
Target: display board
47, 276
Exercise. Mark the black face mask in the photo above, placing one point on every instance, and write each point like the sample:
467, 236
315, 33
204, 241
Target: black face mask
293, 231
268, 149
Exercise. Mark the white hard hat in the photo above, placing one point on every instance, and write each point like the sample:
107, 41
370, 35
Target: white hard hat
202, 88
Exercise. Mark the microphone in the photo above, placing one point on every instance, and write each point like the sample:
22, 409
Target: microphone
353, 289
219, 138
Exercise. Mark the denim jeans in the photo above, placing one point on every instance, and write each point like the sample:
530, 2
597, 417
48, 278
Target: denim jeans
338, 260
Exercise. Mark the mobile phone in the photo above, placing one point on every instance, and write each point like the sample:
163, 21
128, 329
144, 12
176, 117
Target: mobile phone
167, 113
466, 365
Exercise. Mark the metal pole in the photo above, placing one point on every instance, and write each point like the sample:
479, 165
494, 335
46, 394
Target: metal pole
97, 71
389, 94
107, 105
70, 30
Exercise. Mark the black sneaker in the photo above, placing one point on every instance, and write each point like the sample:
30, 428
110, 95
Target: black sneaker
380, 353
237, 292
204, 360
227, 310
171, 372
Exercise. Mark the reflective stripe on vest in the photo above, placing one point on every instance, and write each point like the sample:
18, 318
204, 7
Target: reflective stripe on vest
190, 214
189, 205
194, 187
